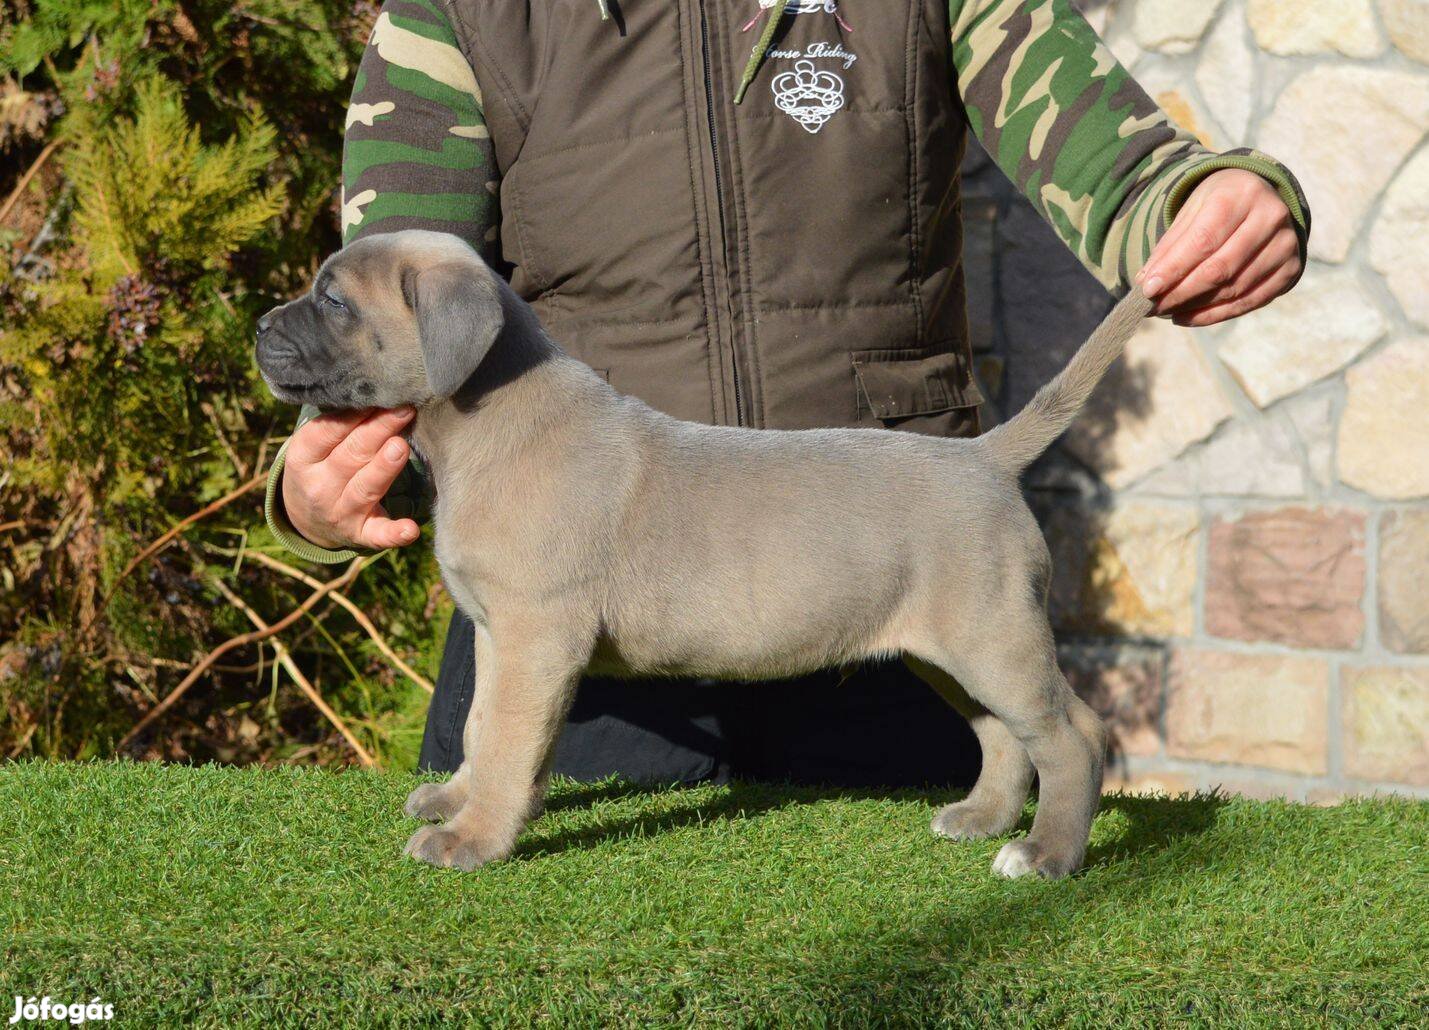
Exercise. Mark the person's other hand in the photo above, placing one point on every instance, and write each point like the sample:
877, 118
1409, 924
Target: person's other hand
1232, 249
337, 470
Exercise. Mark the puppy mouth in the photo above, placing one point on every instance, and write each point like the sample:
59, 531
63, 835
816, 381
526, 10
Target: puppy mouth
326, 395
284, 378
293, 392
290, 379
281, 364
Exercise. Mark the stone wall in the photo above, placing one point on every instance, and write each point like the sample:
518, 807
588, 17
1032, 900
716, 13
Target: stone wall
1240, 521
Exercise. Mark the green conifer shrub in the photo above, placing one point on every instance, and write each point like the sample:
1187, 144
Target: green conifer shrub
179, 162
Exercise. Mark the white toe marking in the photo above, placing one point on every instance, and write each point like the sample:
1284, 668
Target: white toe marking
1012, 862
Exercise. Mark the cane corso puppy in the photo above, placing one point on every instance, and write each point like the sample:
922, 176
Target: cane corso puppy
583, 531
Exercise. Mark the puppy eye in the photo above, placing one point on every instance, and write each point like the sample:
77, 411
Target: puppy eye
332, 302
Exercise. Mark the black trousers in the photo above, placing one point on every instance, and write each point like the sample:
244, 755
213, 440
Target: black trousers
880, 726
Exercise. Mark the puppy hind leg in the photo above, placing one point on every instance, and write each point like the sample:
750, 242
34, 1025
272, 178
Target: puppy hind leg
1066, 742
994, 804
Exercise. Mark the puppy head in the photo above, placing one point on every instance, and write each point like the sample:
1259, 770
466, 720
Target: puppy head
394, 319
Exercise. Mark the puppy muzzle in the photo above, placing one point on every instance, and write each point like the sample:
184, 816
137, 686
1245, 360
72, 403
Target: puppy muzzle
289, 357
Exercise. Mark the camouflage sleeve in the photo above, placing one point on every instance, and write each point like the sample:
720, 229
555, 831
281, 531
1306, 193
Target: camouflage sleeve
416, 155
1076, 134
416, 151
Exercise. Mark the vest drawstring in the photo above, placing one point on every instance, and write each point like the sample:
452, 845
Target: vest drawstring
761, 49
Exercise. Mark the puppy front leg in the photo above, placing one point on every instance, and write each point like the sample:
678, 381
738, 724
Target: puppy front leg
437, 801
515, 716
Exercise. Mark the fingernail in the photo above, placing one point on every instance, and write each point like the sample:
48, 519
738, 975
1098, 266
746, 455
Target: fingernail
1152, 286
1140, 275
394, 450
408, 534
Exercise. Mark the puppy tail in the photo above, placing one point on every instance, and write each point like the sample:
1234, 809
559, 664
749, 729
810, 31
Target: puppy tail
1017, 443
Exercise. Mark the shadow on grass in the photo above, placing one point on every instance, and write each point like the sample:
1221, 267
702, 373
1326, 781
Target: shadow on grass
737, 801
926, 973
1152, 823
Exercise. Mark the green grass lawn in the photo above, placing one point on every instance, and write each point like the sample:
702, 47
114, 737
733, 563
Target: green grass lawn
228, 896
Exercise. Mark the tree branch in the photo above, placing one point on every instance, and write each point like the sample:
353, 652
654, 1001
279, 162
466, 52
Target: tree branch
239, 641
286, 660
353, 610
33, 170
159, 544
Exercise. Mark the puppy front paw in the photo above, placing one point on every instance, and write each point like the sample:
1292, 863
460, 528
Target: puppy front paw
965, 821
447, 848
434, 802
1025, 856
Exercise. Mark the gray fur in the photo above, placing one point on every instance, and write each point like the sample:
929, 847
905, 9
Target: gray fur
458, 319
583, 531
1020, 442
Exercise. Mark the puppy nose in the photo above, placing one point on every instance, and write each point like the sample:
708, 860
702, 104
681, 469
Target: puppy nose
265, 323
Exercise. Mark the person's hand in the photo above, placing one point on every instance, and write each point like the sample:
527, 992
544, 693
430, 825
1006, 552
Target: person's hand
1231, 250
338, 469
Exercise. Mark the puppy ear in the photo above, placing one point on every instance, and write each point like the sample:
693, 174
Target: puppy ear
459, 316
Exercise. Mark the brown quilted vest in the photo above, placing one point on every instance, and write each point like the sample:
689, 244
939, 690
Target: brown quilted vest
788, 262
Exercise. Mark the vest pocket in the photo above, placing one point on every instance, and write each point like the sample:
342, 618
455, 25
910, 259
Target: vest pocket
891, 385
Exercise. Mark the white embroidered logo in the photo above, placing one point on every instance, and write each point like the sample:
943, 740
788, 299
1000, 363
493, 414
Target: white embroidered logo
807, 95
802, 7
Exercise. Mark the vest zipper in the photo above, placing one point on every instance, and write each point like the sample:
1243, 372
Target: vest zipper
719, 197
